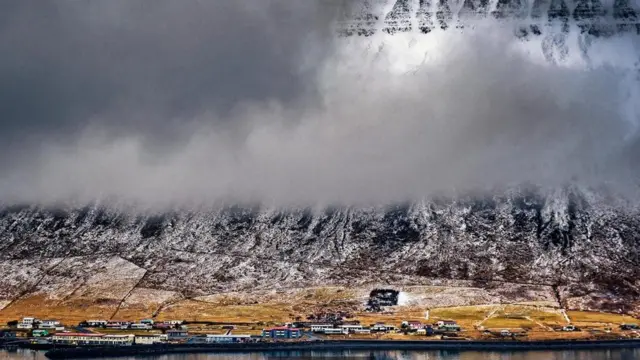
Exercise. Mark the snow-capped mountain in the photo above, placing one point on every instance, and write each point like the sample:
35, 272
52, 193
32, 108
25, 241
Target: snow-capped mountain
595, 17
582, 244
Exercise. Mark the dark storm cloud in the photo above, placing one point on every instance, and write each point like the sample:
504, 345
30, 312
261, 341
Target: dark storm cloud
172, 102
146, 66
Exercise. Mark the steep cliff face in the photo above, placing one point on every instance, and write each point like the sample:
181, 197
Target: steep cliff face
583, 244
592, 17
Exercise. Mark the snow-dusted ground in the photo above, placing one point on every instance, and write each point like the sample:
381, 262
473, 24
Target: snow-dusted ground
582, 243
143, 296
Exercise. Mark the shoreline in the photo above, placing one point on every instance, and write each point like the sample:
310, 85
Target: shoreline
338, 345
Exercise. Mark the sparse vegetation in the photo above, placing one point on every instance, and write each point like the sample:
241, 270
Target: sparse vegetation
252, 312
589, 317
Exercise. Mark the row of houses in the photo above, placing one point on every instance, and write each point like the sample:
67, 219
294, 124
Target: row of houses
144, 324
410, 326
91, 339
171, 336
118, 339
28, 323
330, 329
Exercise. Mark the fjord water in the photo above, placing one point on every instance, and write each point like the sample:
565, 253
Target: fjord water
614, 354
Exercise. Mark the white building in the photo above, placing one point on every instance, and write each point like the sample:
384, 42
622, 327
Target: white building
49, 324
92, 339
177, 334
320, 327
383, 327
174, 322
25, 326
123, 325
141, 326
28, 320
351, 328
334, 331
57, 328
227, 338
96, 323
150, 339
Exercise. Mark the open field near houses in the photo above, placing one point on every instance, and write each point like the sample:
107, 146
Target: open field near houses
252, 311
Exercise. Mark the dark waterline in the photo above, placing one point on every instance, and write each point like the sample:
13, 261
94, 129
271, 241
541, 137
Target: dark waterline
613, 354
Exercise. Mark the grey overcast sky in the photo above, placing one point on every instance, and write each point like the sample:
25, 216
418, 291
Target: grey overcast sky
183, 101
147, 66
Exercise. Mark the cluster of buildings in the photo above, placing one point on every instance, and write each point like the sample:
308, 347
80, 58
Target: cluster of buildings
406, 326
174, 331
29, 323
144, 324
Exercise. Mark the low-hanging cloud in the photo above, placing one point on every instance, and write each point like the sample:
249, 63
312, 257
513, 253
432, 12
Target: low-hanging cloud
259, 101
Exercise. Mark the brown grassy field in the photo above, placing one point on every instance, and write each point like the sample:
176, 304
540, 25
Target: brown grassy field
70, 312
202, 311
269, 308
587, 318
466, 316
521, 316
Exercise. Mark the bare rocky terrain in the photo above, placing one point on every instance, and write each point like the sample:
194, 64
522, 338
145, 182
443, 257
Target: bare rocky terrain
569, 248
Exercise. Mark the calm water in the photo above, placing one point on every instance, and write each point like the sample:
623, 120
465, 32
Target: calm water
617, 354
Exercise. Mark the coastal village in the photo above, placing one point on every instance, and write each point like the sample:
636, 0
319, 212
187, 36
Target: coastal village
149, 332
380, 319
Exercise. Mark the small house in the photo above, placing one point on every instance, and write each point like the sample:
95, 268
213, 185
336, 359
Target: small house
116, 324
319, 328
228, 338
39, 333
146, 321
174, 335
29, 320
426, 330
381, 327
140, 327
448, 325
96, 323
52, 323
282, 333
351, 328
442, 323
150, 339
333, 331
569, 328
413, 325
25, 326
174, 322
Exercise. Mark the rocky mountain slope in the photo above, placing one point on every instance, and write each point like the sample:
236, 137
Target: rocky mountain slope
581, 244
594, 17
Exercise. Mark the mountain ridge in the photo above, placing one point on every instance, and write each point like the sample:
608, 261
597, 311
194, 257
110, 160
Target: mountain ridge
575, 241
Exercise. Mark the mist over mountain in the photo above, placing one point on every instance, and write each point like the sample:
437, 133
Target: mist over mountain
267, 102
245, 145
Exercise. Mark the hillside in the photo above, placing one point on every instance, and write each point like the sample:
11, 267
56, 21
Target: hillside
581, 247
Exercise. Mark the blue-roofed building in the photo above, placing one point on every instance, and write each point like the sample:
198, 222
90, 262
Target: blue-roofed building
282, 333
